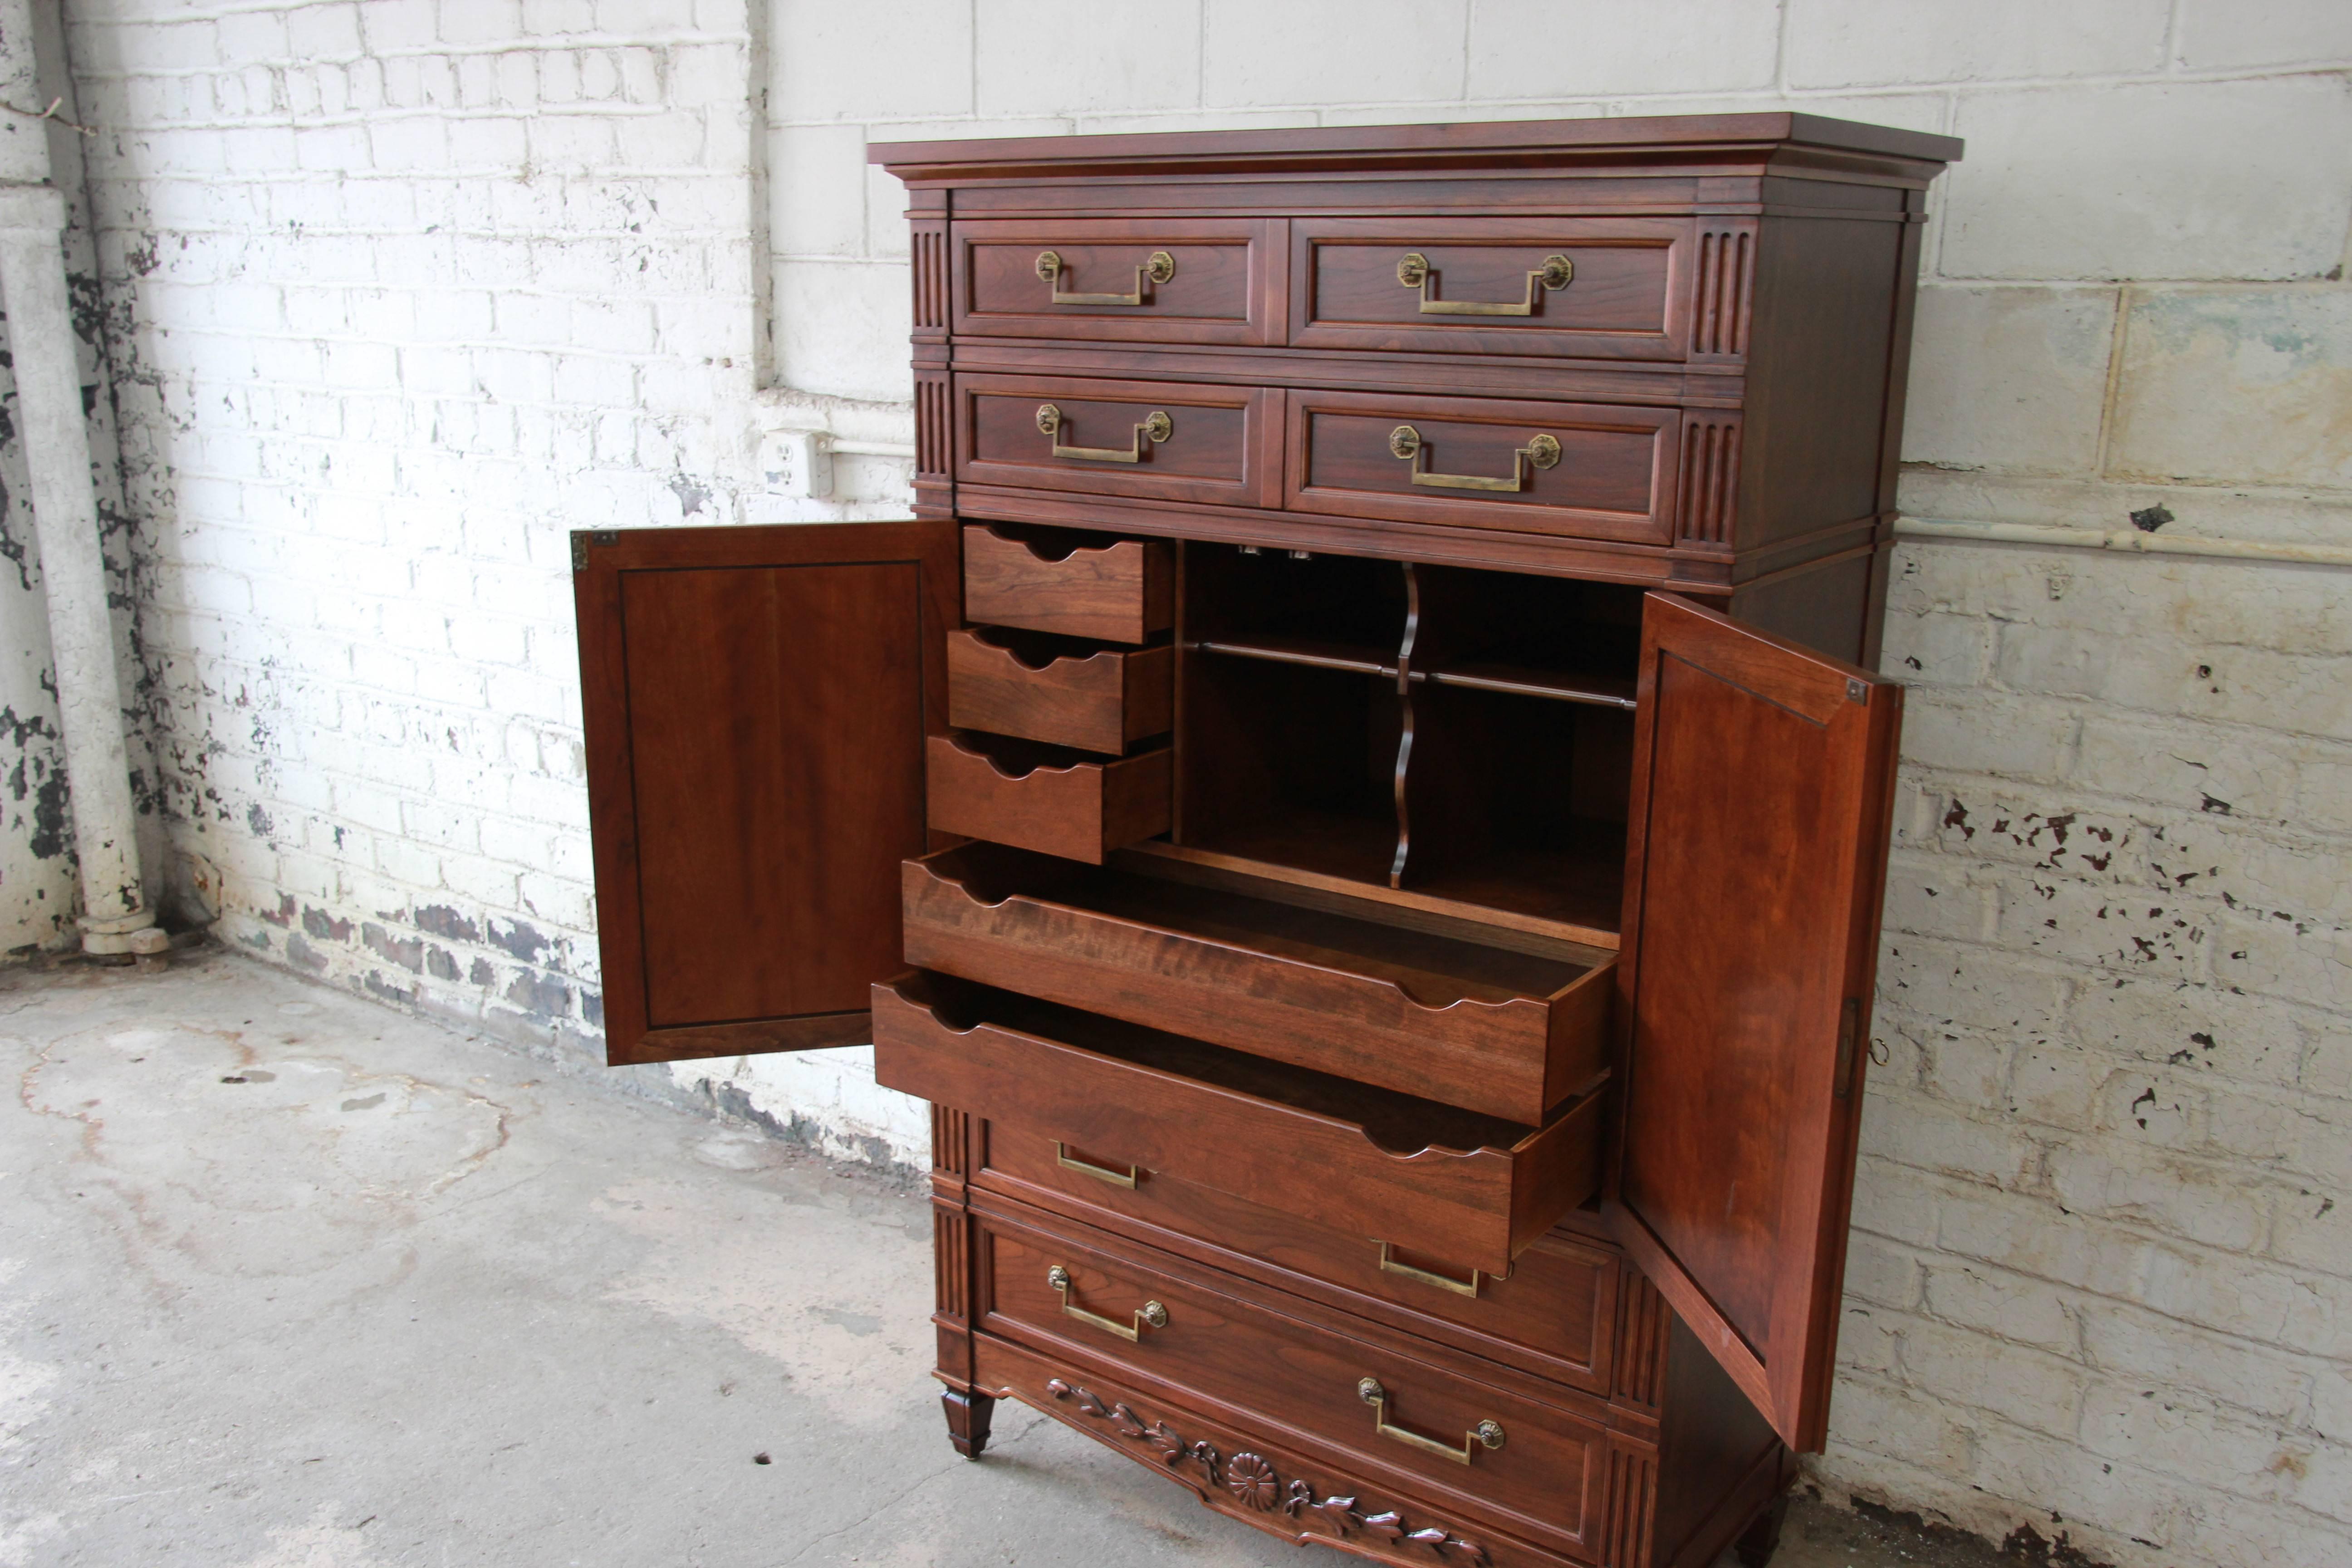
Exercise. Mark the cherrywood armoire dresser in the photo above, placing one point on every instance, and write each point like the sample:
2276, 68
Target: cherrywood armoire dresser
1359, 797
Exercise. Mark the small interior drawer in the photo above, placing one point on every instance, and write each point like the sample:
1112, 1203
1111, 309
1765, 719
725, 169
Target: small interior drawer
1044, 798
1575, 469
1189, 280
1554, 1315
1116, 590
1529, 1465
1197, 442
1506, 1031
1595, 287
1068, 694
1433, 1179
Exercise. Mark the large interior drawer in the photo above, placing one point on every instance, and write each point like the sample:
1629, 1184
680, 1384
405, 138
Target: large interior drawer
1488, 1029
1554, 1314
1596, 288
1575, 469
1439, 1181
1511, 1457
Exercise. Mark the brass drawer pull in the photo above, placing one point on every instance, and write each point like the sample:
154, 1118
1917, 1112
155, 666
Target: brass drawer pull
1156, 426
1485, 1435
1470, 1287
1158, 268
1151, 1315
1414, 272
1117, 1178
1404, 442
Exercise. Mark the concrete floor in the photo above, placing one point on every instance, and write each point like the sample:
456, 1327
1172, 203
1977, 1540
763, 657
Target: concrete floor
287, 1281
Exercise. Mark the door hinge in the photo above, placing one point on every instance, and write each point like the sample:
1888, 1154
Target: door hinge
581, 538
1849, 1027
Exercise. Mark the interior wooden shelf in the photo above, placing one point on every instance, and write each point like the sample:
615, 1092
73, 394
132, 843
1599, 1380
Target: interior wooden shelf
1514, 680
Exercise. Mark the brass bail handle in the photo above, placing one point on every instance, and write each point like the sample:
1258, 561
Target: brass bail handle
1158, 268
1405, 443
1151, 1315
1391, 1264
1415, 272
1117, 1178
1156, 428
1485, 1435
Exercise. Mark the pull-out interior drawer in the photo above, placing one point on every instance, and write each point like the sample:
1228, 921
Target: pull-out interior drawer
1213, 446
1506, 1031
1185, 280
1066, 694
1513, 1458
1554, 1314
1117, 589
1596, 288
1433, 1179
1576, 469
1043, 797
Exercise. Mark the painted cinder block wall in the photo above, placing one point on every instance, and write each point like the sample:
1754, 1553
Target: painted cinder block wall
399, 292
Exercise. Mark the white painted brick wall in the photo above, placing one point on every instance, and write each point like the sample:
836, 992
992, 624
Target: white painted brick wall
402, 290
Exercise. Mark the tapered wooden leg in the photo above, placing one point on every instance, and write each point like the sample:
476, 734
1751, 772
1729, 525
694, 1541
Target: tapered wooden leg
1755, 1549
967, 1418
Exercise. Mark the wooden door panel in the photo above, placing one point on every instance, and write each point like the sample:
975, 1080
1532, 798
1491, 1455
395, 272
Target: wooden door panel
756, 702
1755, 865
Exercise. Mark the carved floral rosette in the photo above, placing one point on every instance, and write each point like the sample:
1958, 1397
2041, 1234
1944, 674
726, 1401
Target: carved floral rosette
1250, 1481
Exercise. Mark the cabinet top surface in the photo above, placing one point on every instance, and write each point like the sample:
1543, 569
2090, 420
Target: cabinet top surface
1524, 143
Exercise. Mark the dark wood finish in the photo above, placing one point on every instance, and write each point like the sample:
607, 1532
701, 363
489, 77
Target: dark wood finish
1417, 786
1750, 945
1443, 1182
1043, 798
1553, 1316
1613, 479
1114, 590
1222, 445
755, 703
1629, 296
1485, 1028
1224, 287
1094, 700
1223, 1344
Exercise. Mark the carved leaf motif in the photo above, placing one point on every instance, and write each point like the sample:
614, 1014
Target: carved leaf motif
1165, 1438
1089, 1404
1057, 1388
1205, 1454
1387, 1526
1340, 1512
1460, 1551
1126, 1422
1253, 1481
1433, 1538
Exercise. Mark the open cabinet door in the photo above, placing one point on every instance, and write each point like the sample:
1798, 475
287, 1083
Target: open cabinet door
1755, 862
756, 701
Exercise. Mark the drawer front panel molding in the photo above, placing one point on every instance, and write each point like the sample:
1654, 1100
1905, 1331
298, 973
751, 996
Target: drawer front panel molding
1170, 280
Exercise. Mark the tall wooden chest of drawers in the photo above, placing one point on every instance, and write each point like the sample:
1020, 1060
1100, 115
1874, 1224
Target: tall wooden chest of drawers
1359, 796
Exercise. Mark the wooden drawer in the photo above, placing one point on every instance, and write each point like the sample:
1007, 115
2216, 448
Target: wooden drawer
1213, 446
1098, 701
1181, 280
1554, 1315
1578, 469
1115, 590
1217, 1340
1044, 798
1439, 1181
1595, 287
1491, 1030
